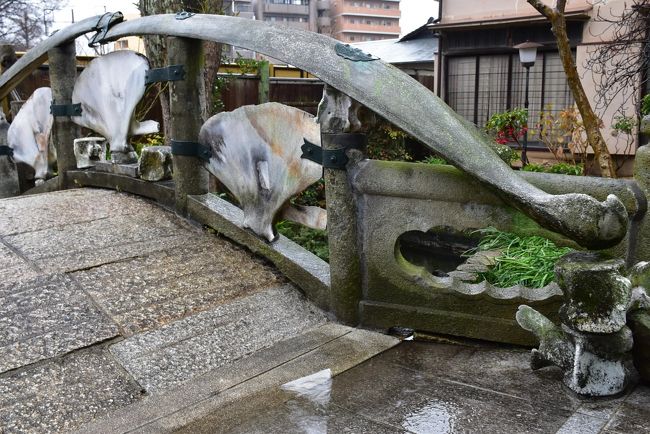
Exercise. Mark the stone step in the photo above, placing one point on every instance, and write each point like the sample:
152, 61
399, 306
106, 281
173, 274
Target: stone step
330, 346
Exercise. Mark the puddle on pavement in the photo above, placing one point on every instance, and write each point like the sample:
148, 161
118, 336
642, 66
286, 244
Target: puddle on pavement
435, 417
308, 411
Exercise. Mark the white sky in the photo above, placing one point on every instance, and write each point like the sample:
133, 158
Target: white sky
88, 8
414, 12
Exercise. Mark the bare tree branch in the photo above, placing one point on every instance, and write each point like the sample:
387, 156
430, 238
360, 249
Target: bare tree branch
23, 22
620, 65
542, 8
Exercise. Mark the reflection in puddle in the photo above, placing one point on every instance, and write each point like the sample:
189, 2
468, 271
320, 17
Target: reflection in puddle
315, 387
434, 418
309, 413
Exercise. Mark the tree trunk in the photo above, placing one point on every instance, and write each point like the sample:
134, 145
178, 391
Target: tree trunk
156, 50
589, 118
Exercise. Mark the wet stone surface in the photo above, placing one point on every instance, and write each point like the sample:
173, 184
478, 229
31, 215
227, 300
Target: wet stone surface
62, 208
82, 267
63, 393
46, 317
149, 291
435, 388
175, 353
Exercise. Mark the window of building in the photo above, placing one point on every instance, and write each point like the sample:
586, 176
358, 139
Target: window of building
122, 45
479, 86
289, 2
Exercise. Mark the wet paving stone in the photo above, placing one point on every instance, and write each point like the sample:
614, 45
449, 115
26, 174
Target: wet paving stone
175, 353
421, 403
150, 291
633, 416
46, 317
283, 412
63, 393
64, 208
14, 268
503, 370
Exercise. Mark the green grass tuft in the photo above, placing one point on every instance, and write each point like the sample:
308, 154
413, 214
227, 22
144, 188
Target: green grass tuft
313, 240
528, 261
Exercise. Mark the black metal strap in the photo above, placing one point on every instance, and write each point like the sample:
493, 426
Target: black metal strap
333, 158
183, 15
105, 22
191, 149
6, 150
58, 110
168, 73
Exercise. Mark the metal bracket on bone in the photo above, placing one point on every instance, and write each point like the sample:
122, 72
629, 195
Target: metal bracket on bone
105, 22
183, 15
333, 158
346, 51
191, 149
6, 150
59, 110
168, 73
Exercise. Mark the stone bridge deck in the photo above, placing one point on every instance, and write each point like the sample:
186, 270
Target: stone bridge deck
119, 316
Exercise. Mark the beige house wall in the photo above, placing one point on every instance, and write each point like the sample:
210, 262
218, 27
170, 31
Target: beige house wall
481, 10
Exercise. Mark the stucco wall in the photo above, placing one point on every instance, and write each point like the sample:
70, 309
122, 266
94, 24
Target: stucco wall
479, 10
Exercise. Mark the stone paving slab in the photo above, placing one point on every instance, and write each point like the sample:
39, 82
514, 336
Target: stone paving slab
95, 234
187, 348
209, 395
147, 292
14, 268
68, 207
390, 395
46, 317
61, 394
633, 416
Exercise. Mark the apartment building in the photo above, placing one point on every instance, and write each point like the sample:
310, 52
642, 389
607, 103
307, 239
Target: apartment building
365, 20
310, 15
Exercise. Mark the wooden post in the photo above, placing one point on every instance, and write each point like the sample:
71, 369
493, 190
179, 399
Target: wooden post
263, 91
63, 73
7, 58
190, 177
345, 270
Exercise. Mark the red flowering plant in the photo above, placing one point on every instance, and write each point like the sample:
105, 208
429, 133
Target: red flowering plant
509, 126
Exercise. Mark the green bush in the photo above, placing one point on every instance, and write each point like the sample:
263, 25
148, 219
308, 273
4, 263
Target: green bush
139, 142
313, 240
645, 105
386, 142
506, 153
432, 159
567, 169
534, 167
528, 261
562, 168
508, 126
314, 195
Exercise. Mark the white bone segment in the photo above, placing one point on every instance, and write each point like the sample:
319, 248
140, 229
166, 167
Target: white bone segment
109, 90
311, 216
29, 133
256, 155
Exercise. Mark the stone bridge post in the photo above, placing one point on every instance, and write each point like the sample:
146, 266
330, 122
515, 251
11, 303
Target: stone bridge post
190, 177
63, 73
335, 112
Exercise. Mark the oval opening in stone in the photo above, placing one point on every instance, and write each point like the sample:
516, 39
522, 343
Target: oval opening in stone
439, 250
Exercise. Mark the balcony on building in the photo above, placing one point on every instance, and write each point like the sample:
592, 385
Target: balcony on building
323, 5
289, 7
